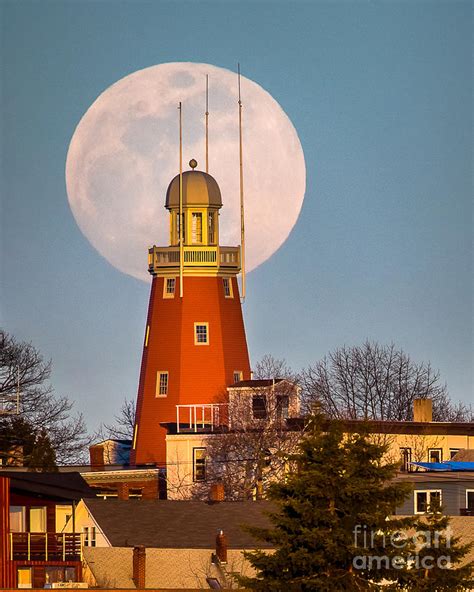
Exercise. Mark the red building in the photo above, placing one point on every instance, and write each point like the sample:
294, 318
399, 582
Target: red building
195, 344
34, 509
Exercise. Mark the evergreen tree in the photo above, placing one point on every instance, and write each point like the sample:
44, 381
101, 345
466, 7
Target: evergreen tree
42, 457
332, 518
23, 445
435, 566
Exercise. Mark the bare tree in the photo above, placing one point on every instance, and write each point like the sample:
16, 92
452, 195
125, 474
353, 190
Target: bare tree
271, 367
373, 381
254, 450
23, 370
124, 424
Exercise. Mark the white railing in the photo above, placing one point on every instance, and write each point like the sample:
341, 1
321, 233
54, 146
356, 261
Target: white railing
203, 417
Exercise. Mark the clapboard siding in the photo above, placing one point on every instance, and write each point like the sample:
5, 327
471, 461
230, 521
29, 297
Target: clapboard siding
453, 495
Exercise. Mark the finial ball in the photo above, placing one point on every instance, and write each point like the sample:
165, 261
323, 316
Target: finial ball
193, 163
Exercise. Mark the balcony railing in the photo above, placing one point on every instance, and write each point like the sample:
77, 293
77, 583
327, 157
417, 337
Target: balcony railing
201, 418
194, 256
45, 546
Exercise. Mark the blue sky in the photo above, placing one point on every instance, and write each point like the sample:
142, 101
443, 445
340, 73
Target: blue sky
380, 94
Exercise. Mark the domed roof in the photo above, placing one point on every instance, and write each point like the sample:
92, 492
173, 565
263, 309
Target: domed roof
199, 189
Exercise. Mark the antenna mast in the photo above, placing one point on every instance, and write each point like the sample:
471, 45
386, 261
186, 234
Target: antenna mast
181, 221
207, 123
18, 392
241, 170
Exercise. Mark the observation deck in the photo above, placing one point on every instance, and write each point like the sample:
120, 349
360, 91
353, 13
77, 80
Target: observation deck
195, 259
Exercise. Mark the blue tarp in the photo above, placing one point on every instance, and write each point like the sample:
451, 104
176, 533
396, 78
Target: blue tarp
448, 465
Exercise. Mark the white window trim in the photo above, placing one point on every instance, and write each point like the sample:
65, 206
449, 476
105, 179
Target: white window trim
159, 395
428, 498
438, 449
167, 294
468, 491
195, 464
240, 373
201, 324
231, 289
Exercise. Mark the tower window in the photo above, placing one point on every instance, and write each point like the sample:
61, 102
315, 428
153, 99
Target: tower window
201, 333
161, 384
169, 288
199, 464
178, 227
196, 227
211, 228
238, 375
227, 287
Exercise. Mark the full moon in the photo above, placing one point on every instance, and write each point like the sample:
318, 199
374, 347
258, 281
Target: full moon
125, 151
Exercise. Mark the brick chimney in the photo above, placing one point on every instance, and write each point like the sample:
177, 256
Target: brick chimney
423, 410
139, 566
221, 547
217, 493
96, 453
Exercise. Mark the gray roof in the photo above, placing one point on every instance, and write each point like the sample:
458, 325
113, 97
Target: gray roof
58, 486
178, 524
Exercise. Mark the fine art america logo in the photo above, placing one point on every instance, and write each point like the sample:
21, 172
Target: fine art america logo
413, 550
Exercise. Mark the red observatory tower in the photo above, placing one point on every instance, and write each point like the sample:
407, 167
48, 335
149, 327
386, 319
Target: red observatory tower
195, 342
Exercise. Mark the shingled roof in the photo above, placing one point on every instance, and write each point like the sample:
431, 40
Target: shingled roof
178, 524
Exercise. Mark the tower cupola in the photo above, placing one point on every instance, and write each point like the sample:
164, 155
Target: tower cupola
201, 201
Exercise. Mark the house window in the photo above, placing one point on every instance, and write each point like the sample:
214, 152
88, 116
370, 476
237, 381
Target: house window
196, 228
58, 574
136, 493
38, 519
89, 536
17, 519
470, 499
161, 383
453, 452
435, 455
211, 228
24, 577
282, 406
169, 287
425, 498
227, 287
405, 457
201, 333
238, 375
147, 335
259, 407
199, 464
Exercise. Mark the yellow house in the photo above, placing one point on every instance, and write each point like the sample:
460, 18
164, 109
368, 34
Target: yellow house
420, 440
